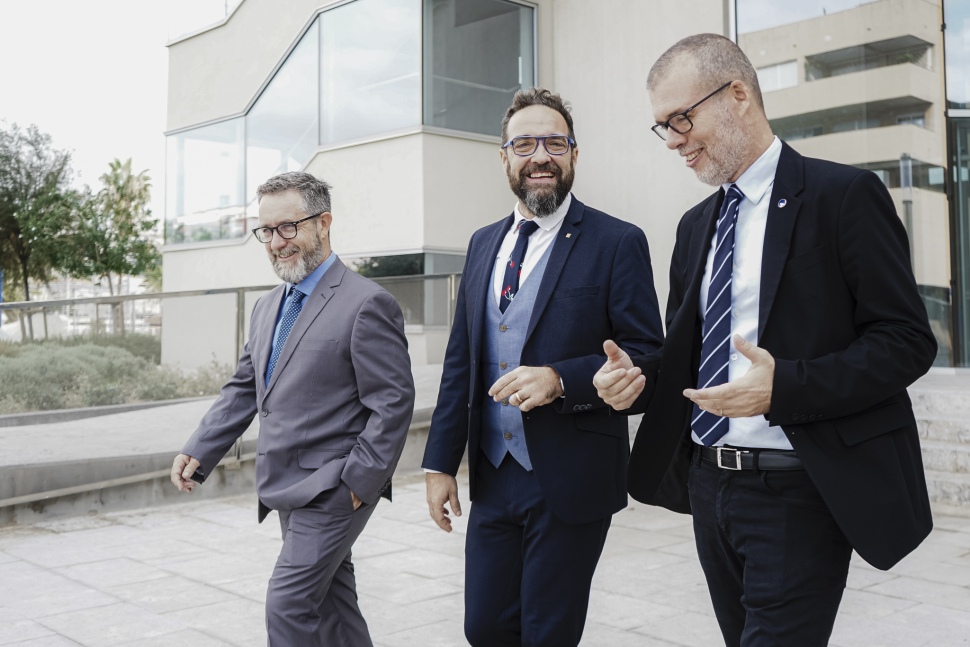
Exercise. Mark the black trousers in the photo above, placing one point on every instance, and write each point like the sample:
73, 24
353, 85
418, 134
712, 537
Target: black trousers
775, 561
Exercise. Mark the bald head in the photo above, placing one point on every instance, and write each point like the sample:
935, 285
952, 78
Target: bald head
716, 60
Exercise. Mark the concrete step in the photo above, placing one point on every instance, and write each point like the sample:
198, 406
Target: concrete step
949, 492
939, 403
943, 457
949, 430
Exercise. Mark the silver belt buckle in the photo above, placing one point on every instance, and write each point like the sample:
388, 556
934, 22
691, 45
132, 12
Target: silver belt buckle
731, 452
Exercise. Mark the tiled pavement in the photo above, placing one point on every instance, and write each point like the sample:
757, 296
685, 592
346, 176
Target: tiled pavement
194, 574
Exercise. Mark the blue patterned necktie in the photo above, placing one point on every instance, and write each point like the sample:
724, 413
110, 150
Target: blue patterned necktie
286, 325
510, 284
716, 345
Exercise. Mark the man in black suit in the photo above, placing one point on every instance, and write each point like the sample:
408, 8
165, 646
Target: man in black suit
780, 418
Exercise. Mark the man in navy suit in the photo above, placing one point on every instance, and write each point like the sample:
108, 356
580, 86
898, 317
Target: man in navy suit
541, 290
780, 417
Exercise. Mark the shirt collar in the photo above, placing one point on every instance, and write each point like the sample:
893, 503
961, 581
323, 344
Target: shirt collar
758, 178
551, 221
309, 284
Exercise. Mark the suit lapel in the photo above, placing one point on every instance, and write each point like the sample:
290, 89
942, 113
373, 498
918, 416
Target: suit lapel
480, 282
313, 305
782, 212
267, 326
561, 247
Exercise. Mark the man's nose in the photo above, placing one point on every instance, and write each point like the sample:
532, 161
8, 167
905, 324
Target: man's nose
674, 139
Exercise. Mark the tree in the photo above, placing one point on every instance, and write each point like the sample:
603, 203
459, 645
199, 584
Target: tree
111, 235
36, 204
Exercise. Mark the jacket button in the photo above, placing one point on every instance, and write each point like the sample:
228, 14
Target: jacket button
502, 328
575, 407
502, 365
508, 436
265, 412
794, 417
505, 402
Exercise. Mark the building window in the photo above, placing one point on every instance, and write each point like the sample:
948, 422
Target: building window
355, 73
478, 54
370, 69
778, 77
205, 184
282, 126
914, 119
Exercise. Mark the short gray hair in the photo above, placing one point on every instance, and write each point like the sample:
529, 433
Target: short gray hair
717, 59
315, 193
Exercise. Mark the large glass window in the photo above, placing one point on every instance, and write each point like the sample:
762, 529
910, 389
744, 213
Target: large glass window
865, 89
370, 74
205, 184
355, 73
281, 127
478, 53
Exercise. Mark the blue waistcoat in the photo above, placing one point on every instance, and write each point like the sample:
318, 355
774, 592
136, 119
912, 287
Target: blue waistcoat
502, 429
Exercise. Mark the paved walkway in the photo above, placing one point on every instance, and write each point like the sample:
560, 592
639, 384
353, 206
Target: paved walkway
194, 573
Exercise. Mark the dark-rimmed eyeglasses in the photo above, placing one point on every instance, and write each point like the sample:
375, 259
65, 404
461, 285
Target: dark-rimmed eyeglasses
680, 123
526, 146
286, 231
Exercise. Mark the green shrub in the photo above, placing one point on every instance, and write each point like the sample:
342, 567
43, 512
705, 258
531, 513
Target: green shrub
147, 347
48, 376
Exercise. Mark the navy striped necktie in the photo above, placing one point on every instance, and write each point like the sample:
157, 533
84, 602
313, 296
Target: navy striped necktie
716, 345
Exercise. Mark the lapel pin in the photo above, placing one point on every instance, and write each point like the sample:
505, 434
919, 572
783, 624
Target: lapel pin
568, 235
782, 203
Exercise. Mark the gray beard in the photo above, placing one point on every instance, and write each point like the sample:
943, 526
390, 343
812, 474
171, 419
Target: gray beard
543, 203
309, 260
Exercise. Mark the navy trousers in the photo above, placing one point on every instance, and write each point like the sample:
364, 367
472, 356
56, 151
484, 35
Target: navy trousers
775, 561
527, 573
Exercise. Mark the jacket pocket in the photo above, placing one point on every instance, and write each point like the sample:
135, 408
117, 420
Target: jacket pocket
874, 422
807, 260
328, 345
605, 424
580, 291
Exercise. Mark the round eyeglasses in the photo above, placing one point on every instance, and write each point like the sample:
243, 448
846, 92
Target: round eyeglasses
285, 231
526, 146
680, 123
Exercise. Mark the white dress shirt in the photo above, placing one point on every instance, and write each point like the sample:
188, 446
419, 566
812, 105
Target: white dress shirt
539, 242
755, 183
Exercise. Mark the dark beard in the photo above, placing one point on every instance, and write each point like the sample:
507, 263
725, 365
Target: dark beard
541, 201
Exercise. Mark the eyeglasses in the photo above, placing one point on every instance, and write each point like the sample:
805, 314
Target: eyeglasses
285, 231
680, 123
554, 145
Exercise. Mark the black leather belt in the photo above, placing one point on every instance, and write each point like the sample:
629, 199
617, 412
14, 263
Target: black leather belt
731, 458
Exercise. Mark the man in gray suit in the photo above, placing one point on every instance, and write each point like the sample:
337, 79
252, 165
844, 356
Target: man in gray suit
327, 369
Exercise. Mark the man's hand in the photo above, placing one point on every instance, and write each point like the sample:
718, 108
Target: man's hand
618, 382
355, 499
182, 470
527, 387
442, 488
749, 395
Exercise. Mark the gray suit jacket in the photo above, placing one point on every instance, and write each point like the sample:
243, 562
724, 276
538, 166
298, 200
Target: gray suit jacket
338, 406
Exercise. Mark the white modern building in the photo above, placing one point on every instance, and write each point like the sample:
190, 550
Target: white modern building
398, 103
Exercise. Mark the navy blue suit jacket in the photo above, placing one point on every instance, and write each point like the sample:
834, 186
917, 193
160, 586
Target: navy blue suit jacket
597, 285
840, 313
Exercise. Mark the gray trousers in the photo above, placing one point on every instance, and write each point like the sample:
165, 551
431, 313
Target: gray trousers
312, 596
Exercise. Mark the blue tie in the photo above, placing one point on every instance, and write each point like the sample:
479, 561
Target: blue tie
510, 284
286, 325
716, 345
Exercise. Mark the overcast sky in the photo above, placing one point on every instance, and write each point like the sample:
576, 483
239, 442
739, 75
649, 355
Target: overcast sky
93, 74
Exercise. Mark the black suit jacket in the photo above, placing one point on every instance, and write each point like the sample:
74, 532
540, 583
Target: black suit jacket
840, 313
597, 285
